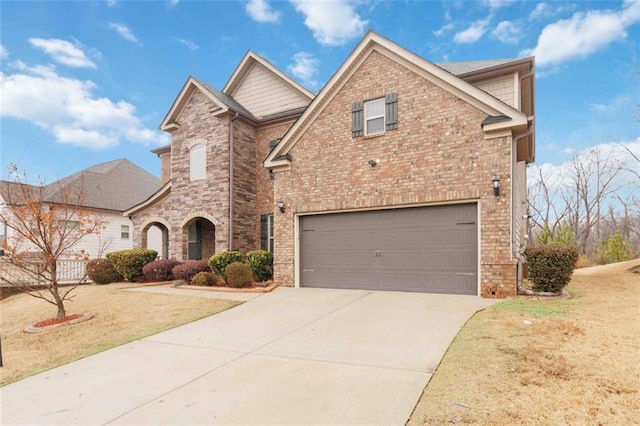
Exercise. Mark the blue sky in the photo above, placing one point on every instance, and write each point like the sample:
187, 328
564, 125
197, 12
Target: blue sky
88, 82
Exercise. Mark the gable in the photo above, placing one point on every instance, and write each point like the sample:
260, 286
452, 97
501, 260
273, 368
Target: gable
263, 93
263, 89
481, 100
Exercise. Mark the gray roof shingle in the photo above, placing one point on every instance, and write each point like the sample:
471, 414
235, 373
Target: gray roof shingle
226, 99
115, 185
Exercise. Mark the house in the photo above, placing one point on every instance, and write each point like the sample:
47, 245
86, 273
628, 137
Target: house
400, 174
107, 190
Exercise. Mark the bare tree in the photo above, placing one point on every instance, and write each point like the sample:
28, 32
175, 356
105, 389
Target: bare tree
40, 233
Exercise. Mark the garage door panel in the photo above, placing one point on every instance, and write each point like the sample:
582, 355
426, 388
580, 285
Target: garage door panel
427, 249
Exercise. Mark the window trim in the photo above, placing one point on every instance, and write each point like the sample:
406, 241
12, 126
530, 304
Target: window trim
200, 162
382, 115
123, 232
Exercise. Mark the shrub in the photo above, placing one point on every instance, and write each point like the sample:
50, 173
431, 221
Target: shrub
551, 266
129, 263
219, 262
261, 263
204, 279
187, 270
239, 275
159, 270
101, 271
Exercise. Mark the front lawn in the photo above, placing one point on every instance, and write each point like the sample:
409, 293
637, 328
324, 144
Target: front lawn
546, 362
120, 317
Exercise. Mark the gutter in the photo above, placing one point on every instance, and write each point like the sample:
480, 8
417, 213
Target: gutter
231, 179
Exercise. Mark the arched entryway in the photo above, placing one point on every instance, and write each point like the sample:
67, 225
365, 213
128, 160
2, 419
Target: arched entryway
198, 239
155, 236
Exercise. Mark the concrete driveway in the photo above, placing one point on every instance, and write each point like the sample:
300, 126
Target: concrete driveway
293, 356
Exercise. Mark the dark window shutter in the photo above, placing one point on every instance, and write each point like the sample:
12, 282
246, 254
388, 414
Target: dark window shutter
391, 111
264, 236
357, 111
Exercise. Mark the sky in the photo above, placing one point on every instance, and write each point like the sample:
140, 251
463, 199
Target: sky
86, 82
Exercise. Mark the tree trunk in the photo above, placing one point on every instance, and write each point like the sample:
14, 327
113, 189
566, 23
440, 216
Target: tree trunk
61, 312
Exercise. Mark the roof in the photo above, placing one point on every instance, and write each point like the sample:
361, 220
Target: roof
226, 99
115, 185
460, 68
372, 41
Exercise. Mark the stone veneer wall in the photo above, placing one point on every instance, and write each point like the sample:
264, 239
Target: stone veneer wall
244, 187
438, 154
207, 198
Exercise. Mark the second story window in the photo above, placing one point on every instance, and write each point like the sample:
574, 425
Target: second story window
374, 116
197, 162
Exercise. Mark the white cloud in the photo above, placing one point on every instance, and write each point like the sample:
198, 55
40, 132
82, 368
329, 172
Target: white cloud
498, 4
173, 3
444, 29
473, 33
261, 11
583, 34
124, 31
507, 32
63, 52
333, 22
188, 43
69, 109
618, 154
305, 67
4, 53
112, 3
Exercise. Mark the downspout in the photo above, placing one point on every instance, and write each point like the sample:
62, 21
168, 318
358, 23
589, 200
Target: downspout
515, 252
231, 180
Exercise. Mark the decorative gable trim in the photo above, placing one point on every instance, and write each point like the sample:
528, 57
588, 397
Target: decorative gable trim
248, 62
429, 71
170, 122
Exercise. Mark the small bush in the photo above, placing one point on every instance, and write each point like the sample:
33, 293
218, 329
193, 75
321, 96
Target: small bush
204, 279
101, 271
219, 262
551, 266
261, 264
129, 263
187, 270
159, 270
239, 275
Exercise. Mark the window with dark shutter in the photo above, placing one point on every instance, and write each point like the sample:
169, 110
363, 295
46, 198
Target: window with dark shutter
264, 232
356, 119
391, 111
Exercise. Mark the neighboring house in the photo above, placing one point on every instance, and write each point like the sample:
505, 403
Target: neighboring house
108, 190
400, 174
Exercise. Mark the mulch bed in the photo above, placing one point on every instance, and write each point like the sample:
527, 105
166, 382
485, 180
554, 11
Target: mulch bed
52, 323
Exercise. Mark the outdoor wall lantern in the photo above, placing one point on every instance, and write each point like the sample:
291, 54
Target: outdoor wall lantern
281, 206
496, 185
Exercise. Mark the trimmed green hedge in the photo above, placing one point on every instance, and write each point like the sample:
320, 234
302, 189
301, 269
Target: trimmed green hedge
129, 263
219, 262
551, 266
261, 264
204, 279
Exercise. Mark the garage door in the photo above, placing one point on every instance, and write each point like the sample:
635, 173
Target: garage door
424, 249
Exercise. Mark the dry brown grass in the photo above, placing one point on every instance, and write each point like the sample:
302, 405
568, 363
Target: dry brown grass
546, 362
120, 317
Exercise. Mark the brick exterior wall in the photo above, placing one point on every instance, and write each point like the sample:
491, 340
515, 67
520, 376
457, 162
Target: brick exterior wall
264, 184
438, 154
